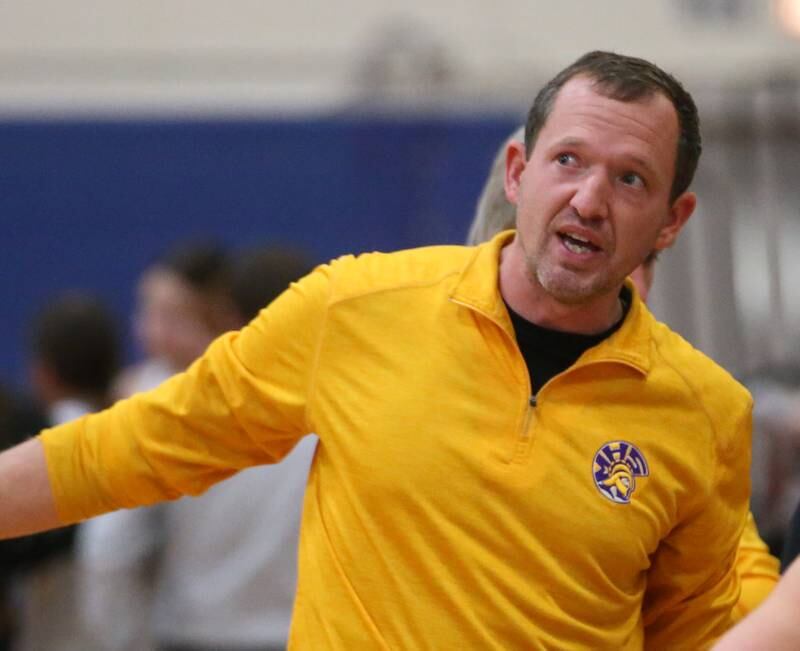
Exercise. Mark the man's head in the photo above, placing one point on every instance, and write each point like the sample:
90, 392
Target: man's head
184, 303
260, 274
595, 193
74, 349
494, 213
627, 79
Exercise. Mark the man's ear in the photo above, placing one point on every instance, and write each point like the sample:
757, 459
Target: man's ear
515, 165
679, 213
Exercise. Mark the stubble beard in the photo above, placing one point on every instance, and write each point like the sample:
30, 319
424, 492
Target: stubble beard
564, 285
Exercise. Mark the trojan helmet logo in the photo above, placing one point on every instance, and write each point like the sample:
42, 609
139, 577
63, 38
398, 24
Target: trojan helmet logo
615, 468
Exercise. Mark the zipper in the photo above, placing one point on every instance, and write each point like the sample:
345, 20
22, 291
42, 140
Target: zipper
525, 438
525, 435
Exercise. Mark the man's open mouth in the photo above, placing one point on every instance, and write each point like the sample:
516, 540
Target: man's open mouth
578, 244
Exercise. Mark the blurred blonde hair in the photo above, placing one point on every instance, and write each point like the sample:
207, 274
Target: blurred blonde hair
494, 213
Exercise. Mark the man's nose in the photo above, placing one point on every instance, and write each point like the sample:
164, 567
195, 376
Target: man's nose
592, 195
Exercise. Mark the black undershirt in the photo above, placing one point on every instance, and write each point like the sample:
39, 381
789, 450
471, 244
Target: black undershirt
549, 352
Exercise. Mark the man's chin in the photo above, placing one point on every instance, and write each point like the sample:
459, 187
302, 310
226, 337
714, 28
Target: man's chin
568, 289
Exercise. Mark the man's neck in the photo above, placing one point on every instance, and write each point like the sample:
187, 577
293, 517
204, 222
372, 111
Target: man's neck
531, 301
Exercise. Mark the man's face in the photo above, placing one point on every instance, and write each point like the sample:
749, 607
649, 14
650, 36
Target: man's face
593, 200
171, 319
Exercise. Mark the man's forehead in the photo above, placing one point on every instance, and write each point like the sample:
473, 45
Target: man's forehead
607, 91
579, 107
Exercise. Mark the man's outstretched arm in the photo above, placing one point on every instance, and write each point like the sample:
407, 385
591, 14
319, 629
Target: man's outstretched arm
26, 500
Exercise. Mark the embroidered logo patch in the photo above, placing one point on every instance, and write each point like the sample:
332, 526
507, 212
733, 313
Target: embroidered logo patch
615, 468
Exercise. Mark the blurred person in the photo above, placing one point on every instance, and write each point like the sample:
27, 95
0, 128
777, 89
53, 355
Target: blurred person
260, 274
75, 355
494, 212
774, 625
219, 571
227, 568
776, 490
645, 274
20, 418
758, 570
182, 304
460, 396
7, 440
791, 546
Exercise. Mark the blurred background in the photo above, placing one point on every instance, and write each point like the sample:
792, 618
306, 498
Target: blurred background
354, 126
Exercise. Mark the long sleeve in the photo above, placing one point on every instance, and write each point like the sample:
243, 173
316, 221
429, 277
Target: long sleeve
243, 403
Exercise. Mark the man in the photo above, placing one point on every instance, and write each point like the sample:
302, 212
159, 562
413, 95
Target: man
512, 452
757, 569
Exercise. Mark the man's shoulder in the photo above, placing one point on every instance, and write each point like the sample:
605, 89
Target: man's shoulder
371, 273
712, 384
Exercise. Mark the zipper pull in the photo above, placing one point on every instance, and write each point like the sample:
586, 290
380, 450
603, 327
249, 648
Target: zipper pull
532, 401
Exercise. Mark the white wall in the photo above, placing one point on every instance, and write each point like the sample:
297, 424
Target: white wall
244, 55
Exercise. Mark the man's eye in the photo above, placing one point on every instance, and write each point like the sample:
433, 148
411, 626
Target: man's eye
632, 179
565, 159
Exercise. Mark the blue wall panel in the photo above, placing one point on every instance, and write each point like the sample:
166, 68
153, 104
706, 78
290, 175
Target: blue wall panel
89, 204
